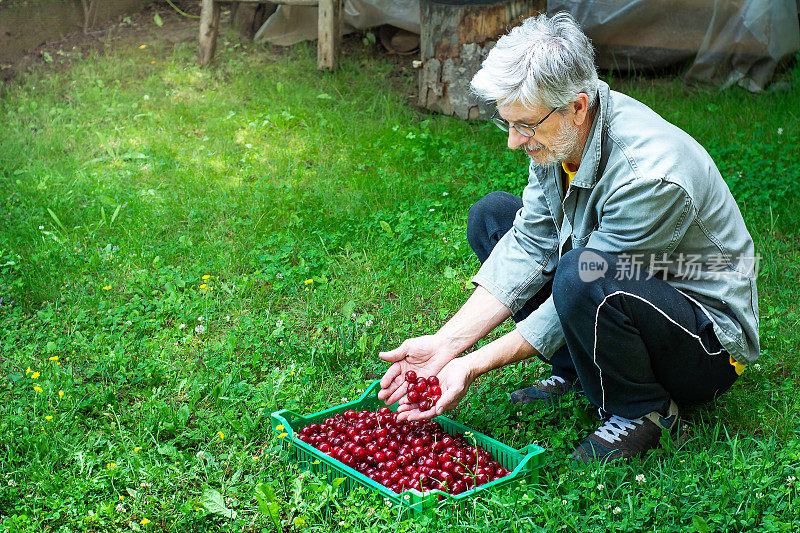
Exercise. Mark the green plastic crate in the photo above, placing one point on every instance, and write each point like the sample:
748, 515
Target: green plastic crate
523, 463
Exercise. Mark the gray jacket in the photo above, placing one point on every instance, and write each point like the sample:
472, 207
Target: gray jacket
645, 189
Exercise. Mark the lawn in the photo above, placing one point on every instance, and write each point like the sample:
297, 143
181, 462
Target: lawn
184, 251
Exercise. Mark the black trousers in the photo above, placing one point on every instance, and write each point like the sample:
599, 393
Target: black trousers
634, 343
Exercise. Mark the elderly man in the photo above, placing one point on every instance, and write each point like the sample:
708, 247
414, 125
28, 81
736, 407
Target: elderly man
626, 264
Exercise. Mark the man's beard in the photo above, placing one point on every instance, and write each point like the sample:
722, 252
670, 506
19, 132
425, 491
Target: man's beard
564, 146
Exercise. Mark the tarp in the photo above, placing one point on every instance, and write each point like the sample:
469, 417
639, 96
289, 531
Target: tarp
728, 41
292, 24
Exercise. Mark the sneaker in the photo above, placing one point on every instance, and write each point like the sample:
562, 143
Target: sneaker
619, 438
546, 389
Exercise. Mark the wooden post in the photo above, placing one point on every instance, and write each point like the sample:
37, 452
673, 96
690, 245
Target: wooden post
209, 26
328, 34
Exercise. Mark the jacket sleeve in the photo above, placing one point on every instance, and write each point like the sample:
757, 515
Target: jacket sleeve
523, 261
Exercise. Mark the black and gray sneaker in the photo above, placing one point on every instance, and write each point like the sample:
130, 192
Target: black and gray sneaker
546, 390
619, 438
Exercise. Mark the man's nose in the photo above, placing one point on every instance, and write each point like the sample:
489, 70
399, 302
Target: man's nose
515, 139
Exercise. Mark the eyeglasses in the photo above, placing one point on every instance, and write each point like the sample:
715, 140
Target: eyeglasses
522, 129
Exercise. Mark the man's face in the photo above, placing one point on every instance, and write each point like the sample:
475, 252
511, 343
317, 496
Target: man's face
555, 140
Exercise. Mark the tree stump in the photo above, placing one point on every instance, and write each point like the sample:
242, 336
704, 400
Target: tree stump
456, 36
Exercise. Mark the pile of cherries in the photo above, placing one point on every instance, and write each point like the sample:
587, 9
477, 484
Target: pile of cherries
421, 391
402, 455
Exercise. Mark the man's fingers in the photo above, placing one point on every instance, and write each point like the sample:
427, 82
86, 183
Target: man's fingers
399, 392
444, 403
390, 375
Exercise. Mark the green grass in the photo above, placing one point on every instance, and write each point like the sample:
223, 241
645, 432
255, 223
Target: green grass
124, 182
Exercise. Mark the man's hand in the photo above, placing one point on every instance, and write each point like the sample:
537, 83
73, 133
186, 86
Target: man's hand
454, 379
424, 355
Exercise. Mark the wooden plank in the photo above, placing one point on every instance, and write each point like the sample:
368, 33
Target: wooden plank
209, 27
329, 32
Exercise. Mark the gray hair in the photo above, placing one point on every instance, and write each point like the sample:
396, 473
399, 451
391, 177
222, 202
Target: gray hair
544, 61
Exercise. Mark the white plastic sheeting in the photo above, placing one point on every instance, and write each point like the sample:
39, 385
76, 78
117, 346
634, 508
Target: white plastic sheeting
292, 24
730, 41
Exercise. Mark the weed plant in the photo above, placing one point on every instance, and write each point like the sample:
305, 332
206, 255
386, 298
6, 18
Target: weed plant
185, 250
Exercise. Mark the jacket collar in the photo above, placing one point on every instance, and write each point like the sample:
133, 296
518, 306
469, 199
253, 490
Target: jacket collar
590, 160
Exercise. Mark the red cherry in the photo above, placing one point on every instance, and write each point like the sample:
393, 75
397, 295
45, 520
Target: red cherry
413, 396
411, 376
421, 387
433, 380
435, 390
424, 405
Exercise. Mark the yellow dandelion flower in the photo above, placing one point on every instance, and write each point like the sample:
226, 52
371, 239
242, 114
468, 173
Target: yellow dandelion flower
54, 358
291, 373
37, 388
144, 521
42, 430
28, 371
221, 435
280, 427
34, 375
142, 47
282, 435
203, 286
111, 466
61, 394
255, 458
58, 363
136, 448
121, 498
48, 417
309, 281
206, 277
107, 288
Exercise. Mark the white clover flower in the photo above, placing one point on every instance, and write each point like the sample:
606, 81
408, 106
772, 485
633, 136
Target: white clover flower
641, 479
445, 194
343, 400
146, 97
617, 510
759, 495
431, 210
128, 323
200, 329
790, 480
780, 131
227, 318
200, 454
368, 323
120, 508
279, 275
600, 486
201, 318
757, 367
607, 506
279, 324
41, 227
563, 502
182, 326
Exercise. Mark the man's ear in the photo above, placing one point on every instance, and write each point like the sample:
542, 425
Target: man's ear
580, 108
